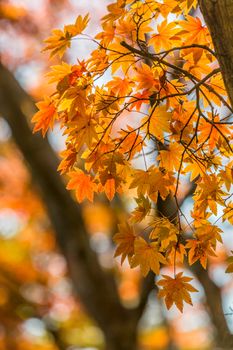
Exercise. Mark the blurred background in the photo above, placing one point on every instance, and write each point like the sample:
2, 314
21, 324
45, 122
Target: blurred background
39, 304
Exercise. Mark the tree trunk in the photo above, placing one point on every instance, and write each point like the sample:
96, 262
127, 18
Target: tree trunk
223, 338
218, 15
122, 337
95, 287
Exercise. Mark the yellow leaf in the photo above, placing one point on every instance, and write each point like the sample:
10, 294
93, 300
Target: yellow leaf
176, 290
164, 232
147, 256
171, 158
125, 241
159, 122
57, 43
60, 40
143, 208
165, 37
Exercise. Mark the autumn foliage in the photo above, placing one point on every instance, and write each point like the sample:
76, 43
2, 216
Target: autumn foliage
147, 114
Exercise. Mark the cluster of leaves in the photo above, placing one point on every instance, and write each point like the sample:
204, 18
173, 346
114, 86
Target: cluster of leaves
163, 107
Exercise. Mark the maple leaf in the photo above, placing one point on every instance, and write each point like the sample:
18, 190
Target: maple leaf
82, 184
160, 183
141, 181
45, 117
152, 182
139, 99
125, 241
211, 132
199, 251
159, 122
227, 176
66, 75
176, 290
69, 158
57, 43
107, 36
109, 188
194, 31
116, 50
204, 246
209, 192
228, 213
170, 159
60, 39
164, 232
147, 256
209, 232
187, 5
126, 28
165, 37
142, 209
116, 10
119, 86
176, 253
130, 142
59, 72
93, 158
79, 26
146, 77
195, 168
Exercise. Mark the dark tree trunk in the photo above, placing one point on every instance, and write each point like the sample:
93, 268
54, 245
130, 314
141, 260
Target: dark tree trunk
223, 338
122, 337
95, 287
218, 15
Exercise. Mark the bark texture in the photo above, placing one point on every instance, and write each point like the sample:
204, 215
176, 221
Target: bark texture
218, 15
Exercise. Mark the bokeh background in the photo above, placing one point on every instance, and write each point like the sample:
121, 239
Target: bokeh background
38, 308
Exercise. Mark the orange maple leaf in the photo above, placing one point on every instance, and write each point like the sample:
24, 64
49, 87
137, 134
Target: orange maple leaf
170, 159
210, 133
165, 37
110, 188
146, 77
45, 117
82, 184
194, 31
120, 87
69, 157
